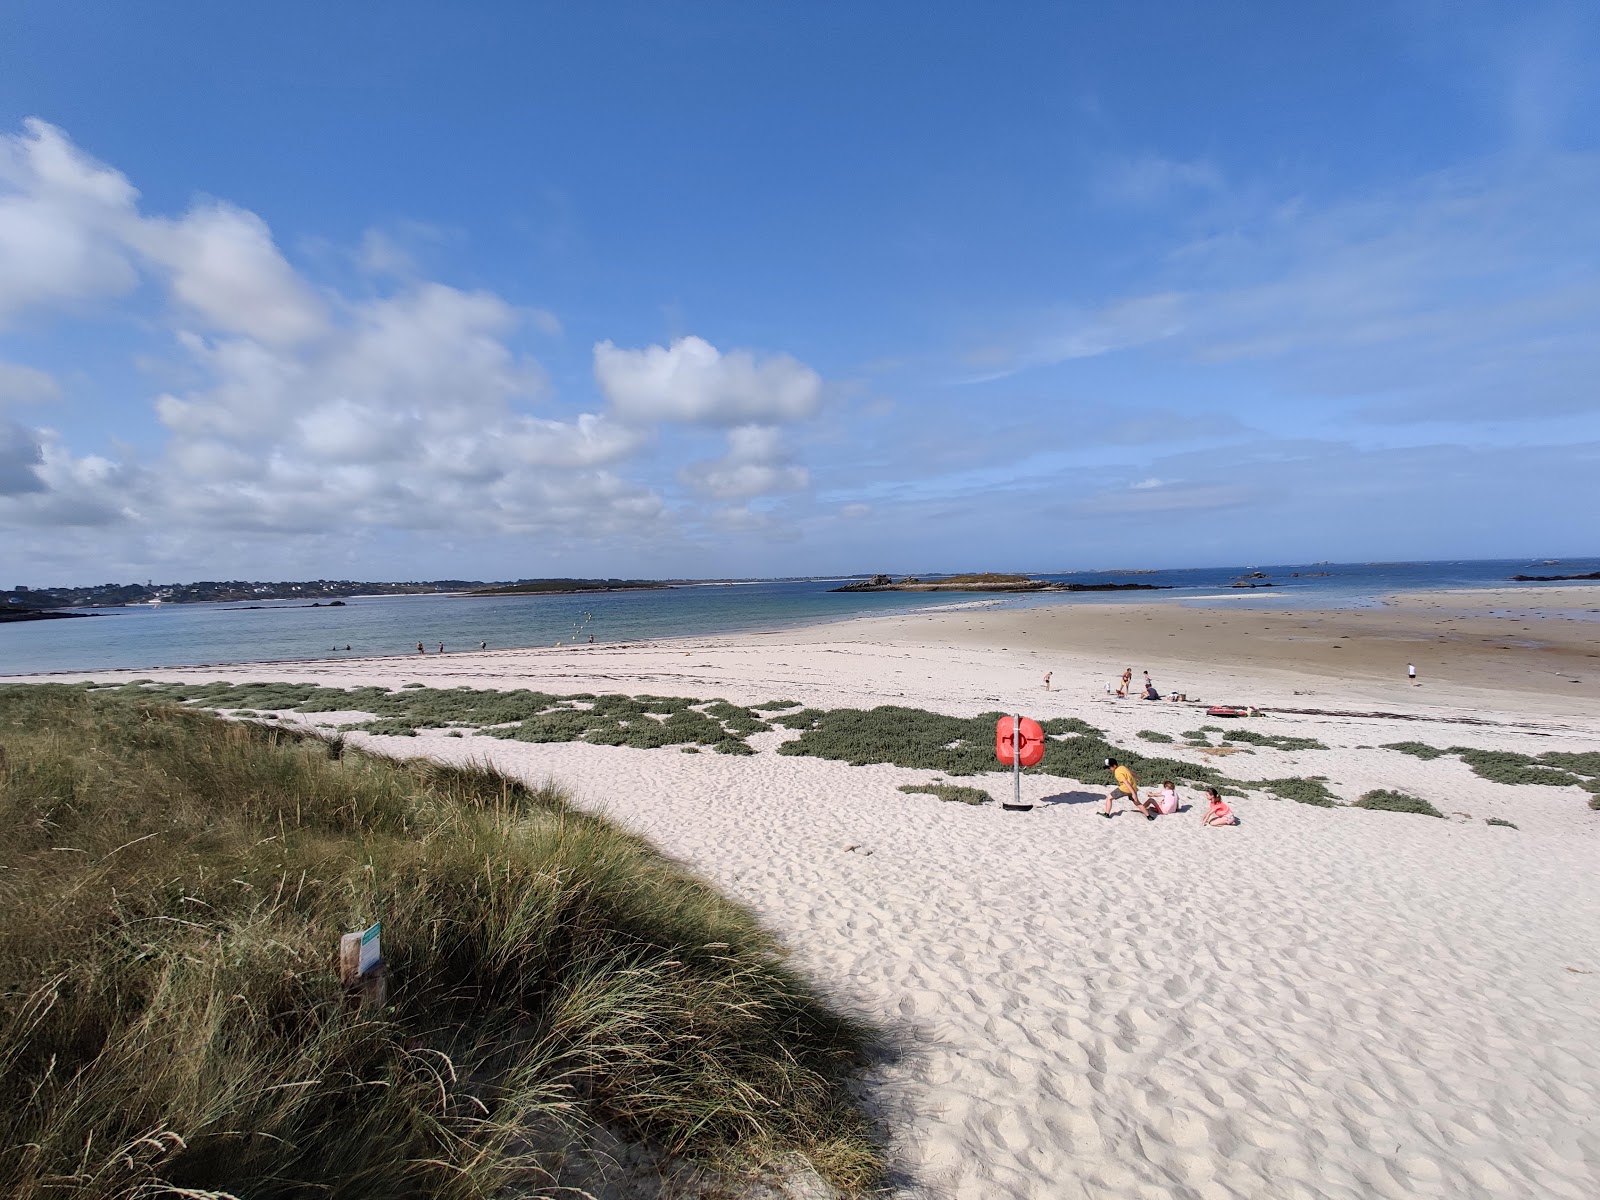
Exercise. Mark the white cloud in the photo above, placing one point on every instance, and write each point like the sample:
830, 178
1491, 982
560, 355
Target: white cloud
854, 512
1153, 496
405, 415
62, 221
692, 381
26, 385
756, 464
221, 264
294, 409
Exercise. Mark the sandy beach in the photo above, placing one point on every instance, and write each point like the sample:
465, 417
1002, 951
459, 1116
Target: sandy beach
1321, 1002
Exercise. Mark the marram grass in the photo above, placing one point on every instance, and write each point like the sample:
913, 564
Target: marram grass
172, 894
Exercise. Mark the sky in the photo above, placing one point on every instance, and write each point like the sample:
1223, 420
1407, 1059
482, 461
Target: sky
715, 289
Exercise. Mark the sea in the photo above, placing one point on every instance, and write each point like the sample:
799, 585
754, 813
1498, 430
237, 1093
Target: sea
172, 635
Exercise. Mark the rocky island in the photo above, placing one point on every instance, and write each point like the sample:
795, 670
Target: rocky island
988, 583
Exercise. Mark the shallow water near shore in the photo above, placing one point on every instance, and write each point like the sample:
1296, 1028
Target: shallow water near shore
205, 634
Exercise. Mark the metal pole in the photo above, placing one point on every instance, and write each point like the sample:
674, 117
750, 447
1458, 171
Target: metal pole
1016, 759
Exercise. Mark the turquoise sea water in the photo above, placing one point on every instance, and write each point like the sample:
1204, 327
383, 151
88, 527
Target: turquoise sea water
196, 634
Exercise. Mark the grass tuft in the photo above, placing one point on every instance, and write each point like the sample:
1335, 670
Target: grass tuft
174, 1024
1150, 735
1498, 821
1386, 801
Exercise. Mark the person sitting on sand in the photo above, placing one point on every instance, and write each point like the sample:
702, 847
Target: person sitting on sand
1217, 811
1127, 785
1150, 692
1166, 800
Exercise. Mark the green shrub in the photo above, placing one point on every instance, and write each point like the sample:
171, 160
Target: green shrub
174, 1025
1300, 790
1059, 725
1585, 763
1416, 750
1506, 766
949, 791
1273, 741
1150, 735
1498, 821
776, 705
1387, 801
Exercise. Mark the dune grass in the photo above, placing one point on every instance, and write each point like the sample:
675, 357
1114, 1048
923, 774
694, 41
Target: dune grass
1498, 821
173, 892
1150, 735
1387, 801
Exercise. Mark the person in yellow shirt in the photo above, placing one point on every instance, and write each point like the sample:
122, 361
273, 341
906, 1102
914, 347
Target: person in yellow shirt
1127, 785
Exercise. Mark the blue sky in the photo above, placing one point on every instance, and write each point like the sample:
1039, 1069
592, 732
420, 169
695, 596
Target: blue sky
399, 291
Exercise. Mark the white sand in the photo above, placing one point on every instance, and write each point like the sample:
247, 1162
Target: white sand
1317, 1003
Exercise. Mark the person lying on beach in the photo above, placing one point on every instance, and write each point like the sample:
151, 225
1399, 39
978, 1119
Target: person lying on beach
1166, 800
1127, 785
1217, 811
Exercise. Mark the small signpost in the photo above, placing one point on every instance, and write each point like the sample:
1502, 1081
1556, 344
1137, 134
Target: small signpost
1018, 743
361, 966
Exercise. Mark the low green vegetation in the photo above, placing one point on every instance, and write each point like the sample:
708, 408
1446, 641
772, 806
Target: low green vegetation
174, 889
1498, 821
1387, 801
1272, 741
949, 791
1301, 790
1506, 766
643, 722
1416, 750
905, 737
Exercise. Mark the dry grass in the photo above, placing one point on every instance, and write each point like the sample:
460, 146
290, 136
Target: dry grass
172, 894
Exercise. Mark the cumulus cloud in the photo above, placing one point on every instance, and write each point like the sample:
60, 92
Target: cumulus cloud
691, 381
305, 411
404, 415
222, 265
63, 221
756, 464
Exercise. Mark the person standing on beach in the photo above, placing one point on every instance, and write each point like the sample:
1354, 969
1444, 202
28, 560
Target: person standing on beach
1127, 680
1148, 687
420, 650
1047, 681
483, 645
1411, 672
1127, 785
441, 647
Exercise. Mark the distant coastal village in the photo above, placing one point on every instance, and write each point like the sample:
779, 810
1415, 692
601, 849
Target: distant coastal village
111, 595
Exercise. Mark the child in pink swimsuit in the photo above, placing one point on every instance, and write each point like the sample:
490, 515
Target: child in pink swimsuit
1217, 812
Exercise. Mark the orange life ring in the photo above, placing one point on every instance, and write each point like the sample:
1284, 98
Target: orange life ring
1030, 741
